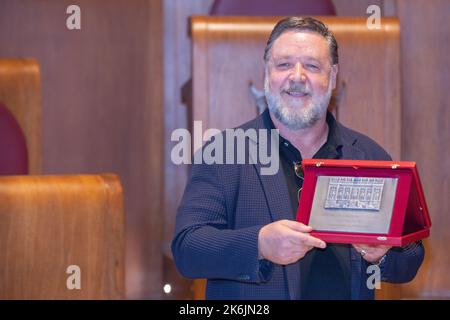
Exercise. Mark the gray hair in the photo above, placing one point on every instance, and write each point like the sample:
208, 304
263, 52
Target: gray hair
302, 24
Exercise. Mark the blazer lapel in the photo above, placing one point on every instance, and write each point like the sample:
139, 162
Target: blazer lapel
277, 197
274, 186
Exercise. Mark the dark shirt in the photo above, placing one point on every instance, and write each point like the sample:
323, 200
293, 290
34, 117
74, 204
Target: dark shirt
325, 273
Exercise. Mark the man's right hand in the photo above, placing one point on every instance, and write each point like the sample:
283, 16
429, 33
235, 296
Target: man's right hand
286, 241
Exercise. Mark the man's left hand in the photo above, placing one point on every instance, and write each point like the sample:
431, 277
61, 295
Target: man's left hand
371, 253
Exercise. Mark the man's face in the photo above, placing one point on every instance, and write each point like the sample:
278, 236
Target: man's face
299, 78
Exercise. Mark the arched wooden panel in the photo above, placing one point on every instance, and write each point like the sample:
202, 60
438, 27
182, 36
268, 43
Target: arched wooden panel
228, 56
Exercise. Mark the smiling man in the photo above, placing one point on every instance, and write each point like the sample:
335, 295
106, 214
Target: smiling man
236, 227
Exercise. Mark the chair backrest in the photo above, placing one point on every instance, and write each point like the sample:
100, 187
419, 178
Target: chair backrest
228, 56
58, 232
272, 8
20, 93
13, 146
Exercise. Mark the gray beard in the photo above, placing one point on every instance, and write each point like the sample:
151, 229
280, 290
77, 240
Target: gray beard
301, 117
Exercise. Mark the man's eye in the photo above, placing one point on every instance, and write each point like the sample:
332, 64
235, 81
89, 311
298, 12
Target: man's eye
312, 67
283, 65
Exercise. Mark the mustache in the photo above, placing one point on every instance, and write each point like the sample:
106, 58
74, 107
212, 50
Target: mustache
297, 88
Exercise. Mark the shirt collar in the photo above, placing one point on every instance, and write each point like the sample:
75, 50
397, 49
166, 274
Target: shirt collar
334, 139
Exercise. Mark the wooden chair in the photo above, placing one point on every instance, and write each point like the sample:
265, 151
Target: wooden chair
20, 94
51, 225
13, 146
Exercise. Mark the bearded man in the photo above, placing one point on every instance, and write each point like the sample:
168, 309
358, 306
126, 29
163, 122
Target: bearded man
237, 228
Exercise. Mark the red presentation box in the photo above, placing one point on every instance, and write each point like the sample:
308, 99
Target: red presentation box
362, 201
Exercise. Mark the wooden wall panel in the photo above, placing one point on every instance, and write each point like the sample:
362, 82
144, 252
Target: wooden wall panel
355, 8
426, 130
177, 71
102, 97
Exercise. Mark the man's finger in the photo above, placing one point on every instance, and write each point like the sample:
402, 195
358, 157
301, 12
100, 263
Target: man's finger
297, 226
308, 240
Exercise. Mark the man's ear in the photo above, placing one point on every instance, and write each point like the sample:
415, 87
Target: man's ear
334, 72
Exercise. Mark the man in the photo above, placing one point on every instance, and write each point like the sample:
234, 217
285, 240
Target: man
237, 227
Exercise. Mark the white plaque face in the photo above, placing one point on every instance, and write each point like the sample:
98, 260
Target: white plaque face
353, 204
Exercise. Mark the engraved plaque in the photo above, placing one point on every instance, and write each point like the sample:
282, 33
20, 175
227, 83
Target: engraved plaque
353, 204
356, 193
363, 201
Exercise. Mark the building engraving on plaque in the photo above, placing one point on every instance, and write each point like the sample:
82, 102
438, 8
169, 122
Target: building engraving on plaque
357, 193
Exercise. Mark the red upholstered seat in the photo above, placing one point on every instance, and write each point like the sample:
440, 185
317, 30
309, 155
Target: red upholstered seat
13, 146
272, 8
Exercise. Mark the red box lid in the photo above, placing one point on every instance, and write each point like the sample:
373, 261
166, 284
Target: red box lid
410, 220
